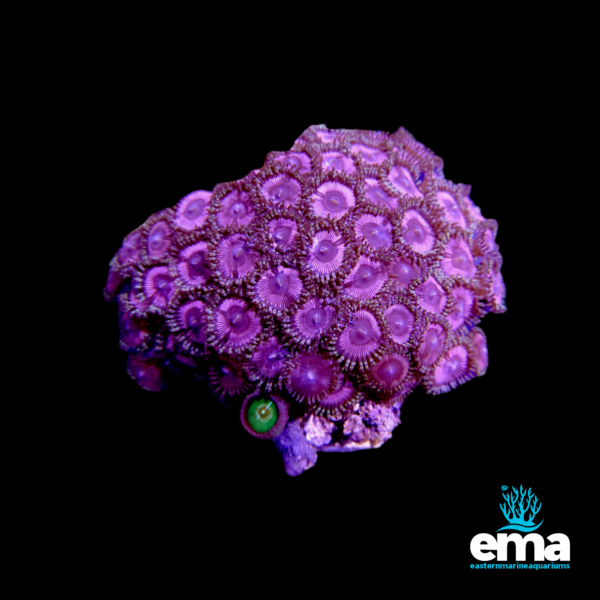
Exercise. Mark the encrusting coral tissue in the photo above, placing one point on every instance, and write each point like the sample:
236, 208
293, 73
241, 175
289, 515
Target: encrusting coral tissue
316, 293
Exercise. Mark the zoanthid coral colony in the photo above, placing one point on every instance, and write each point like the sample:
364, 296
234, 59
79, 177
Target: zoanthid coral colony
316, 293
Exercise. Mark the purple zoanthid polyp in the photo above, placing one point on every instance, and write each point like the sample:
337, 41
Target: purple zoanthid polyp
315, 293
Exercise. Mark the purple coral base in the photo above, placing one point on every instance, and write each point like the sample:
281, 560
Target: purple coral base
369, 427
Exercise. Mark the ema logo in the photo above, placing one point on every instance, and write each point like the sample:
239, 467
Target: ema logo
520, 509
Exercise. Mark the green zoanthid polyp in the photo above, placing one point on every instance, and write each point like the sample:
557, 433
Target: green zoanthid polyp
262, 415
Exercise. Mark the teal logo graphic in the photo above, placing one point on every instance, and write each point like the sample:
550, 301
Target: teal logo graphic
517, 507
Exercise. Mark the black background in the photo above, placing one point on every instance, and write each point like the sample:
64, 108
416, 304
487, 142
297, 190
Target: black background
178, 466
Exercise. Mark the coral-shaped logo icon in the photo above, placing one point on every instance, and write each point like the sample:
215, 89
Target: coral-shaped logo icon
515, 512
